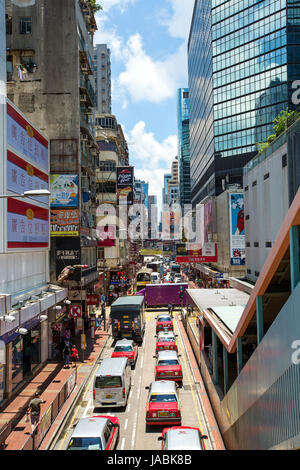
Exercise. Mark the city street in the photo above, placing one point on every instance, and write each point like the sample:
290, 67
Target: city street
133, 432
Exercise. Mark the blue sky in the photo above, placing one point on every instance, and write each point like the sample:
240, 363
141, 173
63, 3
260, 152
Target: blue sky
148, 42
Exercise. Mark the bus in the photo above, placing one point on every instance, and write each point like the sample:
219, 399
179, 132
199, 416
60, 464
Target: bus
155, 266
142, 278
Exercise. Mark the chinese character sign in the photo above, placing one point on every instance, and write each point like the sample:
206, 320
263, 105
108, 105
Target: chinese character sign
64, 190
26, 139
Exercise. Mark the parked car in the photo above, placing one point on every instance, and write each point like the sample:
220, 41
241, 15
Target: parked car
126, 348
166, 340
163, 403
168, 367
95, 433
164, 322
182, 438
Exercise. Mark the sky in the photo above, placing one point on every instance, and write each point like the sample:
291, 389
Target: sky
148, 43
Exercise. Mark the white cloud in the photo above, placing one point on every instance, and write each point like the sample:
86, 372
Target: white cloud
179, 22
145, 79
122, 5
151, 157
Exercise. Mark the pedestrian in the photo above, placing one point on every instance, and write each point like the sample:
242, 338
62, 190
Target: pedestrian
74, 355
170, 308
34, 410
67, 352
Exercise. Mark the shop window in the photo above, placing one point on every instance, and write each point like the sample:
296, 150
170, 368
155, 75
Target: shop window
35, 347
2, 369
17, 362
25, 25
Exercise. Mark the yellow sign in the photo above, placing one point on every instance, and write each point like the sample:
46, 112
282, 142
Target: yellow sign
83, 342
30, 170
150, 252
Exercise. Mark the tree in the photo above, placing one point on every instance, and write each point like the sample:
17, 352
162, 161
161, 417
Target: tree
285, 119
95, 6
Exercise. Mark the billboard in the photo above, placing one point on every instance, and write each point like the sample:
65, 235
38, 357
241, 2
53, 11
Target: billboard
125, 185
27, 225
64, 191
65, 223
68, 253
237, 229
26, 139
196, 253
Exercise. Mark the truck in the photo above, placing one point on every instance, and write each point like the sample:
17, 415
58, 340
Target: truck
127, 316
161, 295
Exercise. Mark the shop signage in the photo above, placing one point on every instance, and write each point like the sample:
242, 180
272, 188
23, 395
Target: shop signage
64, 223
64, 190
125, 179
27, 225
68, 253
24, 138
237, 229
194, 253
22, 176
106, 235
92, 299
75, 311
83, 342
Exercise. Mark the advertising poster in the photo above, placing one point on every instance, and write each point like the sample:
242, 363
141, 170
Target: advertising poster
106, 235
208, 221
24, 138
64, 190
145, 195
125, 181
237, 229
68, 253
27, 225
195, 253
64, 223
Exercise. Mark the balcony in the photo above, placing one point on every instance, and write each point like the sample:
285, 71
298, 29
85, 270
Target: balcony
87, 90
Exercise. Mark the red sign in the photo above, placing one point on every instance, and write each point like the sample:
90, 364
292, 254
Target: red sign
92, 299
75, 311
208, 254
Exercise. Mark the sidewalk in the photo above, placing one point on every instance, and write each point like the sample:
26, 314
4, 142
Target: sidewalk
54, 382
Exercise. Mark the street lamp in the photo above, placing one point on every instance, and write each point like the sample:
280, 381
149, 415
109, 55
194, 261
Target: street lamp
33, 193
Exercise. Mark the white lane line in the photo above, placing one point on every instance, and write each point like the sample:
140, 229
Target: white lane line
130, 394
123, 443
87, 408
142, 361
134, 430
126, 424
139, 387
128, 408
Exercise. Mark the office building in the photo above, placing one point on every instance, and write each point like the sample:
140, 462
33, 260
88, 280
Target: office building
242, 61
167, 177
183, 136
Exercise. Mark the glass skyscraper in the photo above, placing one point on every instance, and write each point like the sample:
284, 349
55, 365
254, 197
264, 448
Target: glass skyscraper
183, 136
243, 57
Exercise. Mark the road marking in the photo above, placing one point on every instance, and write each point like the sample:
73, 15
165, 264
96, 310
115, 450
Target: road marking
126, 424
128, 407
134, 431
123, 443
87, 408
142, 361
130, 394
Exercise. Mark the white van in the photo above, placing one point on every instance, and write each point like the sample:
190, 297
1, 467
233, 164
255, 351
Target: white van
112, 383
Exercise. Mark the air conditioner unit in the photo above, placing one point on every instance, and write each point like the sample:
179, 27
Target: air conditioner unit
84, 67
83, 98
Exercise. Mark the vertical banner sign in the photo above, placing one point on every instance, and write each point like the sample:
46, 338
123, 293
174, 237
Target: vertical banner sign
237, 229
125, 185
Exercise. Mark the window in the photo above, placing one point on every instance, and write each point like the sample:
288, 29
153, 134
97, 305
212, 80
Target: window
8, 20
25, 25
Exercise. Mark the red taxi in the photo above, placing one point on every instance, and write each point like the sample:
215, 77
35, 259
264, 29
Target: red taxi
164, 322
126, 348
182, 438
168, 366
166, 340
163, 404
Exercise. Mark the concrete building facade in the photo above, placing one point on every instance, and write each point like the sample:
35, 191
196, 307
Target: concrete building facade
102, 69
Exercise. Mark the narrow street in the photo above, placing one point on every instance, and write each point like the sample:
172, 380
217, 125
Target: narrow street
133, 432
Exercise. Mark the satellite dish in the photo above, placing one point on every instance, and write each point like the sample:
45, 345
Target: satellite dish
23, 3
